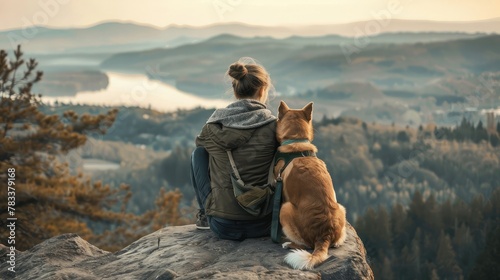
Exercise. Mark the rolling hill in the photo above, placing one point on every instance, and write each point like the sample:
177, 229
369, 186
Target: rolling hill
125, 36
199, 68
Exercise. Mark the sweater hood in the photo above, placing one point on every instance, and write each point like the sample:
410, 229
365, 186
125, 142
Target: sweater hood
243, 114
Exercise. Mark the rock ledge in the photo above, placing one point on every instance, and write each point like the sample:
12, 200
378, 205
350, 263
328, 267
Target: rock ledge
184, 253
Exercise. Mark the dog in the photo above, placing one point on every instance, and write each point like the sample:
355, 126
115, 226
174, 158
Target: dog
310, 215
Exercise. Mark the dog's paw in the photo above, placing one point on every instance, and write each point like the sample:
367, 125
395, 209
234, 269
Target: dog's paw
336, 245
286, 245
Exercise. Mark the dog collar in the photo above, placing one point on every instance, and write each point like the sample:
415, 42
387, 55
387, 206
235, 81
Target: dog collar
293, 141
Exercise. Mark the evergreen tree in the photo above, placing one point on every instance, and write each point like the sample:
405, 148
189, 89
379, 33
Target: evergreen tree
480, 133
434, 275
387, 271
495, 140
400, 235
415, 255
445, 259
365, 126
447, 214
431, 215
486, 266
176, 168
429, 247
403, 136
480, 125
49, 200
366, 228
465, 246
417, 211
383, 229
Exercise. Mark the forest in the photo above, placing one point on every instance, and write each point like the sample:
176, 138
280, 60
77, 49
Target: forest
431, 240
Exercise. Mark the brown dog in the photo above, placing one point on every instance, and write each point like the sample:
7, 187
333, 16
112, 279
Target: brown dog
310, 215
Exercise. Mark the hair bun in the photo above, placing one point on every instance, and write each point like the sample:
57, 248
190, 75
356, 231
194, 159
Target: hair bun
238, 71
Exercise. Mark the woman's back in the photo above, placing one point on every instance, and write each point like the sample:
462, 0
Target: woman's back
248, 129
252, 148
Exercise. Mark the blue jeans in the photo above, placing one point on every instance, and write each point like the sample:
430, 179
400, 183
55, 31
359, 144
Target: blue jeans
223, 228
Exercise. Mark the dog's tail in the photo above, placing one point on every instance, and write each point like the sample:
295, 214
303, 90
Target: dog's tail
301, 259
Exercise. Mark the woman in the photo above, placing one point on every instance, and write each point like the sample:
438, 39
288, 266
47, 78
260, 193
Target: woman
247, 128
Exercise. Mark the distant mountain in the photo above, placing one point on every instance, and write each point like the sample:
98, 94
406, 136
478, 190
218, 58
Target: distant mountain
398, 25
120, 37
385, 38
105, 37
298, 67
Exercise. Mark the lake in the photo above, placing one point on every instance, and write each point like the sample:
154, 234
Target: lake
92, 164
137, 90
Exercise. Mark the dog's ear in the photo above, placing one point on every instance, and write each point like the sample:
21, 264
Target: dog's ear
282, 109
308, 109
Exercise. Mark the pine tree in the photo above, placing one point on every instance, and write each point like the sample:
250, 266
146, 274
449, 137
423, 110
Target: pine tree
429, 247
402, 136
480, 133
365, 126
486, 266
398, 227
48, 199
383, 229
480, 125
465, 246
495, 140
366, 227
434, 275
417, 211
447, 214
431, 214
175, 168
404, 264
415, 255
386, 272
445, 259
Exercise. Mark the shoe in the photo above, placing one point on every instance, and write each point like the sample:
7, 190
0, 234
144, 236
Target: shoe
202, 221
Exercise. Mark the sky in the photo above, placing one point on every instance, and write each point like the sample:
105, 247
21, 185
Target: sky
160, 13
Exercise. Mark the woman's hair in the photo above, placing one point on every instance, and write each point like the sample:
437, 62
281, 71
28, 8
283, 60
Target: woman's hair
248, 78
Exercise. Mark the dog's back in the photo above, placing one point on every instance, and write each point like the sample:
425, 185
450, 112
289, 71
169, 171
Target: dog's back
310, 187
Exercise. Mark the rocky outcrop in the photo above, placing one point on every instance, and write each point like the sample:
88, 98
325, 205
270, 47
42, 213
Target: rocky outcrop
181, 252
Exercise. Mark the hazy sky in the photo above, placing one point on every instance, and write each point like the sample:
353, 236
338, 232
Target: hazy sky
72, 13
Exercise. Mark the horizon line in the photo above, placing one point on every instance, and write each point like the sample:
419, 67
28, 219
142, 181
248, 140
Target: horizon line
138, 23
